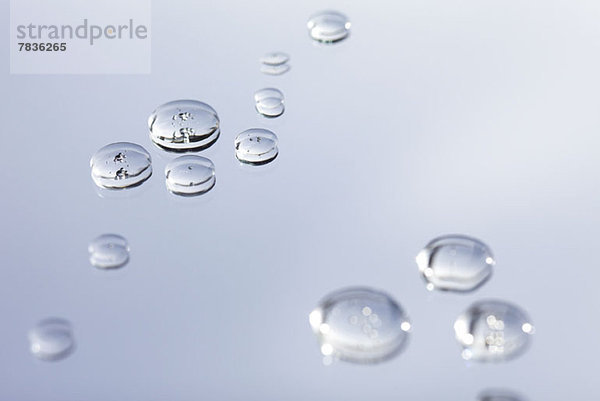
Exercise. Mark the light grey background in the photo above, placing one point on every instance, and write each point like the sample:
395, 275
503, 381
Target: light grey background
476, 117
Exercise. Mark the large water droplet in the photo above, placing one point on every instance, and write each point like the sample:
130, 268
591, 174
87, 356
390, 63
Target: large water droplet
121, 165
360, 325
455, 263
51, 339
499, 395
184, 125
190, 175
328, 26
275, 58
109, 251
493, 331
269, 102
256, 146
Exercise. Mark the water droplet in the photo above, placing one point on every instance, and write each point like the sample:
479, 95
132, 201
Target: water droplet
269, 102
256, 146
455, 263
328, 26
121, 165
184, 125
51, 339
109, 251
360, 325
274, 69
493, 331
499, 395
275, 58
190, 175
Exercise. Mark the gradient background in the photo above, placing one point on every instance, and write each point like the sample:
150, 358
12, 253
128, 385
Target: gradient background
433, 117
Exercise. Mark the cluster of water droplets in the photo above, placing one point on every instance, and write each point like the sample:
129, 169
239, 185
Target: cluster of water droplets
358, 324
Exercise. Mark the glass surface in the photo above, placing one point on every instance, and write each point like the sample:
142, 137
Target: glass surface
430, 118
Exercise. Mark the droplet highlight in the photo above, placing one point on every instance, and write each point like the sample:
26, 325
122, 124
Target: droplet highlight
493, 331
51, 339
455, 263
121, 165
269, 102
184, 125
190, 175
360, 325
256, 146
109, 251
329, 27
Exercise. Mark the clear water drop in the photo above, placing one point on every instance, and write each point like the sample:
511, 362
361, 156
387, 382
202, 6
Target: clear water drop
184, 125
499, 395
256, 146
493, 331
51, 339
275, 58
269, 102
109, 251
328, 27
190, 175
274, 69
455, 263
360, 325
121, 165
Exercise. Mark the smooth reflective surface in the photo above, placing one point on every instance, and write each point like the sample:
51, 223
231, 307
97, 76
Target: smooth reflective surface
184, 125
109, 251
328, 26
269, 102
431, 118
455, 263
51, 339
190, 175
493, 331
256, 146
121, 165
360, 325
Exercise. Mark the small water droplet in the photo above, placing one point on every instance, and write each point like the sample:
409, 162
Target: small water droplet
499, 395
492, 331
121, 165
51, 339
109, 251
362, 325
269, 102
256, 146
275, 58
328, 26
184, 125
455, 263
190, 175
274, 69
